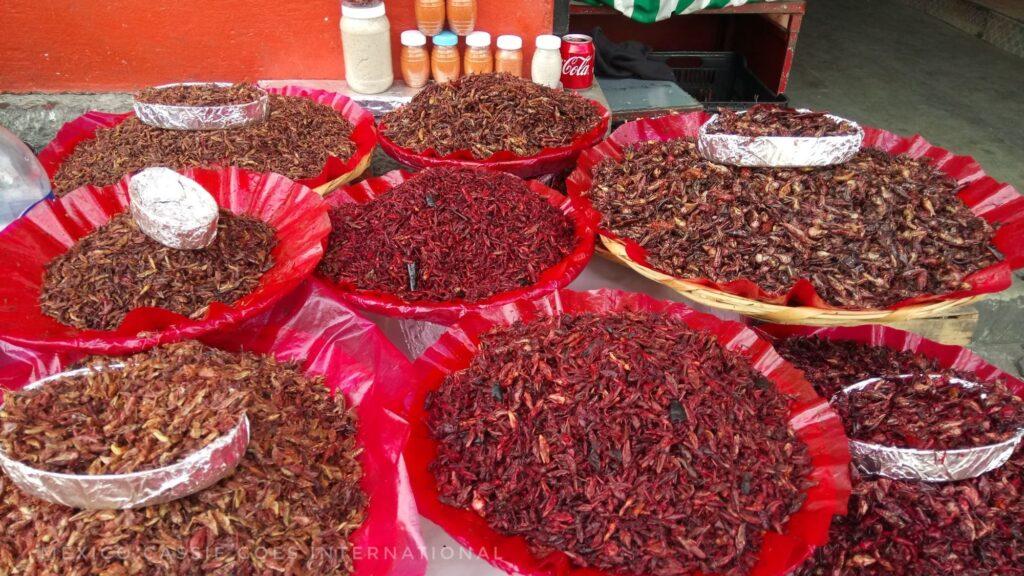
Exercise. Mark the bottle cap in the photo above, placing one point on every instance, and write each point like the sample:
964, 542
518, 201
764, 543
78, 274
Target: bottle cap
509, 42
549, 42
446, 38
478, 40
363, 12
413, 38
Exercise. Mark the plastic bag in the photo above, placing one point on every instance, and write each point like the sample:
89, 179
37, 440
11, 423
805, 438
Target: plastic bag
558, 276
364, 134
998, 203
23, 181
547, 161
328, 339
297, 213
812, 419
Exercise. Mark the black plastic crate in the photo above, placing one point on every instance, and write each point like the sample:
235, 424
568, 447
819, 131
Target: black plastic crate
719, 79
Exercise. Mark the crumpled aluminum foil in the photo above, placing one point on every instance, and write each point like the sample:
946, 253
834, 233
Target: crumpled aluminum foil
173, 210
202, 117
778, 151
928, 465
189, 475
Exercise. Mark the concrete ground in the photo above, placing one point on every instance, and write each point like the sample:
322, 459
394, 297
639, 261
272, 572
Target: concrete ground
886, 64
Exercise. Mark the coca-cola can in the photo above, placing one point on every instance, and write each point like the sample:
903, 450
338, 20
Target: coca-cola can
577, 61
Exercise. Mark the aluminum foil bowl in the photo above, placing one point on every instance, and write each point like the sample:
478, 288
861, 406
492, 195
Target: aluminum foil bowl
194, 473
928, 465
778, 151
175, 117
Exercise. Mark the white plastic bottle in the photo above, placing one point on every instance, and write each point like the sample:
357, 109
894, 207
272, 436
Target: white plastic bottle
366, 41
546, 68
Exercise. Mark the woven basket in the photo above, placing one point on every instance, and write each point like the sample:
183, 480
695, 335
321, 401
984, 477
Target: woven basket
328, 187
998, 203
806, 315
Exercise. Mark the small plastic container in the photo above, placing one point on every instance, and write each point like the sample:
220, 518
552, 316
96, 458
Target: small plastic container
23, 180
478, 59
430, 16
445, 60
462, 16
509, 57
366, 42
546, 68
415, 60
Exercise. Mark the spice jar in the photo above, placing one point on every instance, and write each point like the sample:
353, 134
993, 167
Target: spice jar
509, 57
366, 42
430, 16
445, 62
415, 60
462, 16
547, 61
478, 58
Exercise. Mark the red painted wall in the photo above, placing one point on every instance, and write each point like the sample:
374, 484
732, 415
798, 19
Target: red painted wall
112, 45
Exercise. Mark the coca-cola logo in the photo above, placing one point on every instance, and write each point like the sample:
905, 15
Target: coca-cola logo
577, 65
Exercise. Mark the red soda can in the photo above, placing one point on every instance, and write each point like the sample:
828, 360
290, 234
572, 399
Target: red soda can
577, 61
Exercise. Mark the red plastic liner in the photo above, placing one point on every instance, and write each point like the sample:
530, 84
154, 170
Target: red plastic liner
814, 422
364, 134
998, 203
558, 276
355, 358
947, 356
48, 230
547, 161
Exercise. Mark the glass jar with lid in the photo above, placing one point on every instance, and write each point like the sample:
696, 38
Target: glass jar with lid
478, 59
445, 60
415, 59
546, 68
430, 16
366, 43
461, 16
509, 57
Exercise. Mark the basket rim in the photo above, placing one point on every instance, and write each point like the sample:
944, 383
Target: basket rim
780, 313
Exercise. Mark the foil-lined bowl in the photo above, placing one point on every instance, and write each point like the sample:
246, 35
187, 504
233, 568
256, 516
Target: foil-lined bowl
927, 465
179, 117
779, 151
193, 473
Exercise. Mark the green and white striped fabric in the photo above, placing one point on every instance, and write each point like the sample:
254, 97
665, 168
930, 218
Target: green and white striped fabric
654, 10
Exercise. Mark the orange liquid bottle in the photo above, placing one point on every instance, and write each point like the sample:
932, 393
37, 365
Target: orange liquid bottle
509, 57
478, 59
415, 60
445, 61
462, 16
430, 16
